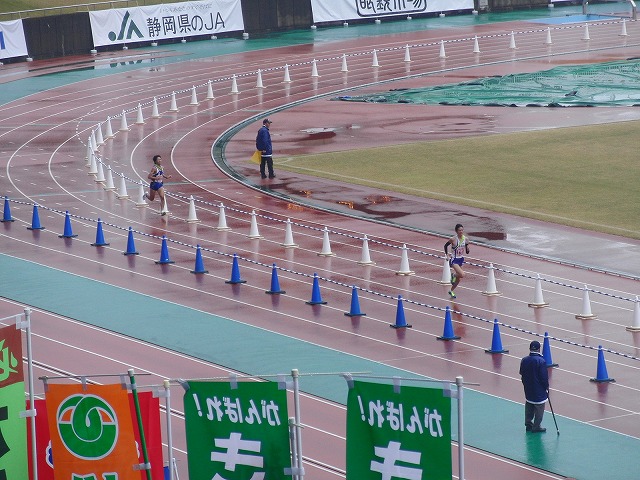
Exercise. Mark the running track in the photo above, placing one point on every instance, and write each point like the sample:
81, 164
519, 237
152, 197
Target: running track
43, 147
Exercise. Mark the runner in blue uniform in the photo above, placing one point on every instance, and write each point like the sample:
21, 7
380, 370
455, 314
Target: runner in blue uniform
459, 247
156, 175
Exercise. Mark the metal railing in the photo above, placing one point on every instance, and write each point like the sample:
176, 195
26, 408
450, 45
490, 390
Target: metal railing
80, 7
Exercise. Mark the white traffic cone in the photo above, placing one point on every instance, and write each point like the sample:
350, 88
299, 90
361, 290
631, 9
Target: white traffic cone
192, 217
139, 116
287, 77
259, 83
635, 324
94, 144
538, 300
374, 61
108, 129
314, 68
222, 220
476, 45
491, 289
442, 54
123, 122
365, 258
100, 175
234, 84
445, 279
404, 263
99, 138
585, 36
512, 41
140, 201
407, 55
586, 313
89, 153
122, 190
210, 90
253, 229
109, 185
326, 245
547, 40
165, 208
194, 97
623, 33
154, 109
344, 63
288, 235
173, 106
93, 168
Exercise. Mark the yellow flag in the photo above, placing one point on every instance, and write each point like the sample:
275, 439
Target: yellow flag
255, 158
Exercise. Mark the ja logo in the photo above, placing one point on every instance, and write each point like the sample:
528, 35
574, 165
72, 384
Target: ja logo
127, 25
88, 426
8, 362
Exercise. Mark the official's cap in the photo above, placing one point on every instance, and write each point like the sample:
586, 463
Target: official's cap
265, 121
534, 346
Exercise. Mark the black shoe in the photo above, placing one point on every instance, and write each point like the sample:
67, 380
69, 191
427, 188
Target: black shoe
528, 428
272, 176
539, 430
263, 176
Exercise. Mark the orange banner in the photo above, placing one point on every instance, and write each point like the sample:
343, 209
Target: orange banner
92, 434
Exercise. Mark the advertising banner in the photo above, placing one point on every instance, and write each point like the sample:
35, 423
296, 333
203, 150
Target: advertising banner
91, 431
150, 411
13, 429
170, 20
12, 40
237, 433
338, 10
399, 433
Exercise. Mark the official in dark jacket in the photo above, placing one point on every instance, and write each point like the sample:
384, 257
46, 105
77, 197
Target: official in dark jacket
535, 379
263, 143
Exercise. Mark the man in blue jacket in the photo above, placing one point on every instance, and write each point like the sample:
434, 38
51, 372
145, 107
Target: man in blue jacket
263, 143
535, 379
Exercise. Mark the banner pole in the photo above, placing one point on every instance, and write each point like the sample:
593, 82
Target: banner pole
32, 416
293, 446
136, 401
459, 384
167, 406
296, 406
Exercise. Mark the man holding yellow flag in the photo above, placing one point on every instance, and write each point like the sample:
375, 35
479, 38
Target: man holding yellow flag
263, 144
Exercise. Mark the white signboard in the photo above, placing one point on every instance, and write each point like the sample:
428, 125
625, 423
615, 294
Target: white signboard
12, 41
336, 10
171, 20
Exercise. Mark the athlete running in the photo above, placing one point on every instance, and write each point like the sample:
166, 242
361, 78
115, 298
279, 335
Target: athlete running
459, 247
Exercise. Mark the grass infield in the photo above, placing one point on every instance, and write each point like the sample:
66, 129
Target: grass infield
586, 177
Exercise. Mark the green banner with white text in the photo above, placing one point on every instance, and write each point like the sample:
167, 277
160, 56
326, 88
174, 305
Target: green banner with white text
398, 433
237, 431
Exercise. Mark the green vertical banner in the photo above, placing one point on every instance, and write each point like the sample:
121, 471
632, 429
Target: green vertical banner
14, 463
237, 431
398, 432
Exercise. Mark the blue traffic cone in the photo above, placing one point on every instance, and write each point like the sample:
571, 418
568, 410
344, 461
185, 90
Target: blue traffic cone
35, 219
67, 232
601, 375
235, 272
199, 268
275, 284
496, 341
6, 216
401, 322
316, 298
99, 236
546, 351
131, 246
447, 333
164, 253
355, 305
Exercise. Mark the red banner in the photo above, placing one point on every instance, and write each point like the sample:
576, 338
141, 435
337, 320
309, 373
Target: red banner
150, 410
11, 370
